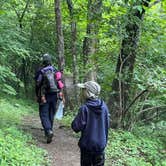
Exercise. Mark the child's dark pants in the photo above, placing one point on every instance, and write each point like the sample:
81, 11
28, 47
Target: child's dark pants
91, 159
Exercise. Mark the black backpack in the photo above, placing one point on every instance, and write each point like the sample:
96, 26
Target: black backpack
49, 81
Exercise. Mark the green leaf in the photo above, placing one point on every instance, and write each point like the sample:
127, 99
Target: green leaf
8, 89
139, 8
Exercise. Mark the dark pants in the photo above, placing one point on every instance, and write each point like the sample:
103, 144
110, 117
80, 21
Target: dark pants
47, 112
90, 159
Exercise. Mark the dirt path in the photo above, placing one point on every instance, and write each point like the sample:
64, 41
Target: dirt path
63, 150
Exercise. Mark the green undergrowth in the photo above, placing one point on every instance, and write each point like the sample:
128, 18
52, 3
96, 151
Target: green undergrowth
16, 146
142, 147
67, 119
135, 149
12, 111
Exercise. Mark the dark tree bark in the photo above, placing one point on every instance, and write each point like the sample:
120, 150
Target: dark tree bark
90, 41
119, 99
21, 16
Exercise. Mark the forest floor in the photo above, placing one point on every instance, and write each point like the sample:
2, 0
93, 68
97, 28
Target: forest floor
63, 150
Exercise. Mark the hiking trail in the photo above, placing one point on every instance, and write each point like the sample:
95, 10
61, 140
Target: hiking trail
63, 150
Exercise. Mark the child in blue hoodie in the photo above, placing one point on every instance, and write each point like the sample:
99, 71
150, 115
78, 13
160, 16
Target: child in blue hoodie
92, 121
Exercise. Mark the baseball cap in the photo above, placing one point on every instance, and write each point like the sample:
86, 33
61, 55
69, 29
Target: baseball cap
92, 87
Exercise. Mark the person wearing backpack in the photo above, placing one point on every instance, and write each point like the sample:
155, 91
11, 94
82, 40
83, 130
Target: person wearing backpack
92, 121
47, 92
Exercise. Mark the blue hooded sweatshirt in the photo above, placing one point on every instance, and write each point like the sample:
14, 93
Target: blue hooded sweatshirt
93, 122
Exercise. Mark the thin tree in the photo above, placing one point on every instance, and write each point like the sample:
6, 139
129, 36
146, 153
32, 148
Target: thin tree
20, 17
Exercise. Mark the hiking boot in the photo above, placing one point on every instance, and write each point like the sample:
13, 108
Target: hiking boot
49, 136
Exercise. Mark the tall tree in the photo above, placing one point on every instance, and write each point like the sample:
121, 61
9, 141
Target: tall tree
60, 42
121, 85
60, 38
73, 46
90, 41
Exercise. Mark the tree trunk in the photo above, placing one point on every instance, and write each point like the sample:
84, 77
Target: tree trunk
60, 44
73, 47
90, 41
60, 38
119, 99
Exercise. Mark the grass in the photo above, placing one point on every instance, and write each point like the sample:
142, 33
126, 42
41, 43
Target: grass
16, 147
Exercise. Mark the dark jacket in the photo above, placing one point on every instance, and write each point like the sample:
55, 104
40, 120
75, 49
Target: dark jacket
93, 122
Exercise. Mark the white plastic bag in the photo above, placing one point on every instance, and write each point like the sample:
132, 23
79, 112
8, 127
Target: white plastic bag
59, 112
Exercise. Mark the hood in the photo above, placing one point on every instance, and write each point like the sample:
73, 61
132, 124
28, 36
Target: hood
95, 105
